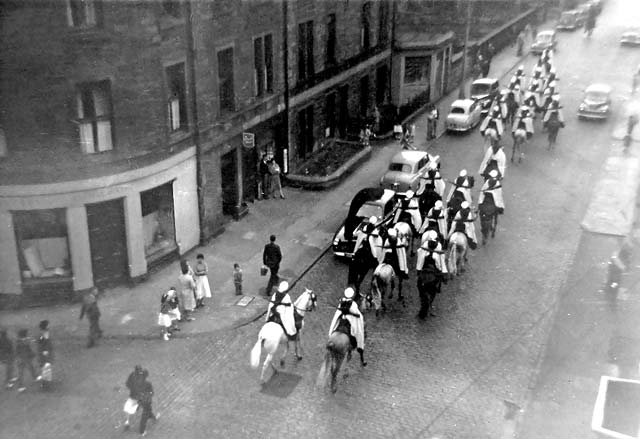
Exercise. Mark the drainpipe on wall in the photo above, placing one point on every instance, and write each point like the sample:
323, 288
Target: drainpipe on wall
285, 68
193, 107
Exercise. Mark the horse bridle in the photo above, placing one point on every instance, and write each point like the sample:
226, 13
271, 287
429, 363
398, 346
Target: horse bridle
310, 306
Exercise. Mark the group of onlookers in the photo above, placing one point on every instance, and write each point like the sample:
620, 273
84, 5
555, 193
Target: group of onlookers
19, 356
270, 184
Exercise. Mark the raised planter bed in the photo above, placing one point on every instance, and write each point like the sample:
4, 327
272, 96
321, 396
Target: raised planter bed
329, 166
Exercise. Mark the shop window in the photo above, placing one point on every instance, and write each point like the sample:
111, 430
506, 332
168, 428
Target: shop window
94, 112
225, 80
416, 69
84, 13
42, 243
177, 107
263, 64
158, 222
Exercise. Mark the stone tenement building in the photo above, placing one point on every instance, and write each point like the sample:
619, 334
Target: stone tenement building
129, 130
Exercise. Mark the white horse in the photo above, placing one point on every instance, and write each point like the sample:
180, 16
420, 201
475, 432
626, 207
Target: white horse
405, 234
272, 335
491, 137
457, 256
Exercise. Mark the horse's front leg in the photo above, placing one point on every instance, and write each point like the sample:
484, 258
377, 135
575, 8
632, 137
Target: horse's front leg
298, 345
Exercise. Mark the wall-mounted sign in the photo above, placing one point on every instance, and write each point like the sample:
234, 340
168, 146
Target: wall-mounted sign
248, 140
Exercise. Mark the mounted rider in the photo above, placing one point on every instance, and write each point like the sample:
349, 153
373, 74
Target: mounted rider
465, 216
431, 248
516, 90
494, 158
280, 310
518, 77
492, 121
436, 219
550, 91
463, 183
409, 211
523, 121
493, 186
533, 97
349, 320
554, 111
369, 233
394, 252
552, 77
547, 60
434, 177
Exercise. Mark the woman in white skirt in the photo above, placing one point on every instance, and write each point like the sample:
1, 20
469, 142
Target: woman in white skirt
203, 291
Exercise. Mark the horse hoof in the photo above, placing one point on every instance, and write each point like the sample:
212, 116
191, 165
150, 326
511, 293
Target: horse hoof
281, 363
298, 357
333, 389
364, 363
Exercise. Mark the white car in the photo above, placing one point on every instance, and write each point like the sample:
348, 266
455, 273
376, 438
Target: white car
464, 115
630, 38
545, 39
406, 169
596, 103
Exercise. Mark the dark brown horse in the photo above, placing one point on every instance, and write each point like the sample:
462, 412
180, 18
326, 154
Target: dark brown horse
488, 217
429, 284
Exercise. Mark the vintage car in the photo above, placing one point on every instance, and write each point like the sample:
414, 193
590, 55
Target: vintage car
545, 39
406, 170
630, 38
583, 13
568, 20
596, 103
379, 202
464, 115
485, 90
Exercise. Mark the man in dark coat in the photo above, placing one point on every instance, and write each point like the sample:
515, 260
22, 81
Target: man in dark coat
263, 190
145, 399
134, 383
90, 308
271, 258
7, 357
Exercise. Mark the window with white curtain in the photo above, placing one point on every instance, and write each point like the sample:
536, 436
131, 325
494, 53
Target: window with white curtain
94, 117
84, 13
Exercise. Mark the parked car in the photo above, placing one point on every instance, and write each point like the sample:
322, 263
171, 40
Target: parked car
464, 115
630, 38
568, 20
545, 39
583, 13
406, 169
379, 202
596, 103
484, 91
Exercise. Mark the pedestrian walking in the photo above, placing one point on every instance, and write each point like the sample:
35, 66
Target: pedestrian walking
7, 356
271, 258
24, 358
432, 121
145, 398
275, 183
45, 355
237, 278
90, 308
520, 42
134, 384
263, 185
203, 290
187, 291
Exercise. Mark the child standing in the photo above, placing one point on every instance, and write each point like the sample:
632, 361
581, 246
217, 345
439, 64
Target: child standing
45, 355
237, 278
164, 318
202, 282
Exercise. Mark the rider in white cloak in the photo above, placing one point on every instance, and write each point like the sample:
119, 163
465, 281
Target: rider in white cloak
537, 78
466, 216
554, 108
433, 162
463, 183
436, 217
493, 186
431, 248
396, 246
348, 309
495, 153
434, 176
410, 206
280, 309
372, 235
492, 121
523, 121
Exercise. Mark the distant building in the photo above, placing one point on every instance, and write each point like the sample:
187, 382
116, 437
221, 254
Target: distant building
129, 130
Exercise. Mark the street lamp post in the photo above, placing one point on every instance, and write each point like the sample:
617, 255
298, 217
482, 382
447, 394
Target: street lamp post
461, 92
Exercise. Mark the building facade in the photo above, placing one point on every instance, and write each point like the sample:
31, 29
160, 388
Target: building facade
130, 131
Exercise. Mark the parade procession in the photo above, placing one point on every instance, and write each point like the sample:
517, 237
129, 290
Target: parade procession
320, 219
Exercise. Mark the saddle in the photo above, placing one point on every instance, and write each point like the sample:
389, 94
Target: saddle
344, 327
275, 318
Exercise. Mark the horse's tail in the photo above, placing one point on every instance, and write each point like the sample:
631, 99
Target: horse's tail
255, 352
321, 381
453, 257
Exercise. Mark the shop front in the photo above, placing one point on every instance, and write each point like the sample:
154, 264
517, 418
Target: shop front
70, 236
